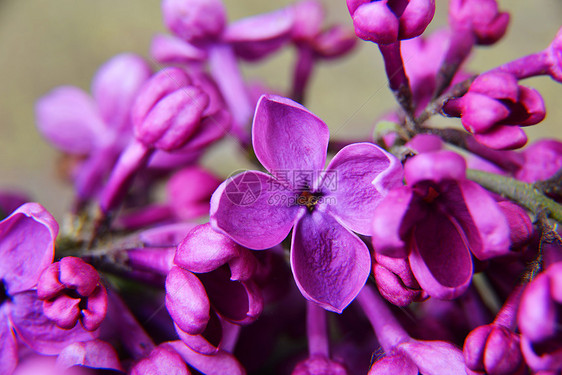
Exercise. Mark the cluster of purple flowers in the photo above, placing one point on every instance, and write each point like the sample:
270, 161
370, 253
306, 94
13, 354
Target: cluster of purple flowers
420, 250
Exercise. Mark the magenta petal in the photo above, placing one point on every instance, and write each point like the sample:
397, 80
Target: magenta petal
503, 137
169, 49
63, 310
116, 85
220, 363
481, 112
69, 119
392, 364
435, 357
186, 301
205, 250
26, 246
363, 174
94, 354
237, 302
435, 166
392, 220
255, 37
254, 210
38, 332
440, 258
486, 217
163, 360
532, 100
288, 137
330, 264
8, 343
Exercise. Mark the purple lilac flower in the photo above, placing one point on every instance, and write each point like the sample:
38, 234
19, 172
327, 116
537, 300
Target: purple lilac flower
494, 348
211, 275
403, 354
438, 221
26, 248
387, 21
71, 291
541, 160
163, 360
95, 354
539, 320
97, 127
493, 109
330, 263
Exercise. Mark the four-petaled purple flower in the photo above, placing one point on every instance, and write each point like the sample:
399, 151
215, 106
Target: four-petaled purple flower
330, 263
438, 221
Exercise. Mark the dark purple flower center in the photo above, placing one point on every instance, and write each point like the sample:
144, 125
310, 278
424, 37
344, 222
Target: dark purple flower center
309, 200
431, 195
3, 294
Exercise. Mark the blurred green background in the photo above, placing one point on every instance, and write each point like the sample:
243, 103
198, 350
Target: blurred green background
44, 44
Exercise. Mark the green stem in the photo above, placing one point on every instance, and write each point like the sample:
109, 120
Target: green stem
524, 194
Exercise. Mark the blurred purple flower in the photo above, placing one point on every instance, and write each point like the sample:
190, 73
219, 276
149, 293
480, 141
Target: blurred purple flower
493, 109
330, 263
99, 127
438, 221
539, 320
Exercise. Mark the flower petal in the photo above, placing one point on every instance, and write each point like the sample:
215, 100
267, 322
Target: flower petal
255, 37
330, 264
395, 363
435, 166
168, 49
69, 119
115, 87
364, 173
481, 219
254, 209
8, 343
435, 357
219, 364
163, 360
392, 220
288, 137
37, 331
27, 246
186, 301
503, 137
94, 354
440, 258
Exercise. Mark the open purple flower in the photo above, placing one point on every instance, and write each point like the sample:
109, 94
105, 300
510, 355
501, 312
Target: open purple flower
439, 220
330, 263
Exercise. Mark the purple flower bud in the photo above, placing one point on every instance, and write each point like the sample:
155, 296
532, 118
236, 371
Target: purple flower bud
319, 365
168, 110
494, 107
539, 320
395, 280
195, 21
481, 17
493, 349
387, 21
554, 52
71, 291
163, 360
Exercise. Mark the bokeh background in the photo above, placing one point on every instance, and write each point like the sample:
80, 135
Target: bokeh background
44, 44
